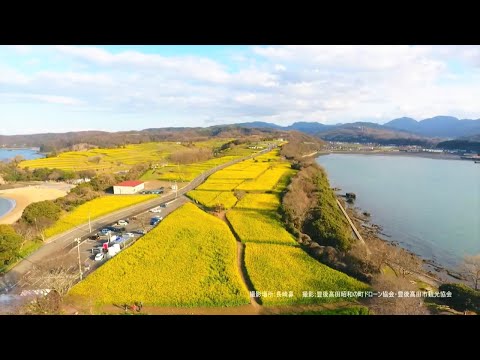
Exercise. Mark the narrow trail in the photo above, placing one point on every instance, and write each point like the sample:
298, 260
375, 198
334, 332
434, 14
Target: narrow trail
241, 260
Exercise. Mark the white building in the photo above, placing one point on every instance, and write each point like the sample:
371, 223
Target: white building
128, 187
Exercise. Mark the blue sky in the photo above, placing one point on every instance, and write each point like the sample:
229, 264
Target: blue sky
71, 88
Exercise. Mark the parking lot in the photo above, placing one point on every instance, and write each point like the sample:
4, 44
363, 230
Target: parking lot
89, 247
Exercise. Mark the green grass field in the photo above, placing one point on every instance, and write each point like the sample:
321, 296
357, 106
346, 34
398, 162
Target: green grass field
188, 260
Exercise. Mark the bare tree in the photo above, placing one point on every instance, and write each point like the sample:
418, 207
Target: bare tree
471, 269
56, 277
404, 262
17, 159
383, 305
381, 253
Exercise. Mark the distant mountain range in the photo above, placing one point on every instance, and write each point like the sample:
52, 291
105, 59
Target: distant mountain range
438, 126
398, 131
402, 131
448, 127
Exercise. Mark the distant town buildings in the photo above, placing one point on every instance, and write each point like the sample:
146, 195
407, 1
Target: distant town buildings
80, 181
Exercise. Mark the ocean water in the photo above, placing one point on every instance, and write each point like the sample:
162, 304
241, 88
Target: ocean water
6, 154
6, 206
429, 206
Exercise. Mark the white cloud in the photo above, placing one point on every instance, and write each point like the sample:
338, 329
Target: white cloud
282, 84
21, 49
9, 75
51, 99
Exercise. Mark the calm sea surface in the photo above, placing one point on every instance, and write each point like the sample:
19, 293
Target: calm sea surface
5, 206
26, 153
5, 154
430, 206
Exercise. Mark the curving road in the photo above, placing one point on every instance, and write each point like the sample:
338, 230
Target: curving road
66, 239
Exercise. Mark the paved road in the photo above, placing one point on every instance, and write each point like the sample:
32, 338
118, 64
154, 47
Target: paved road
66, 239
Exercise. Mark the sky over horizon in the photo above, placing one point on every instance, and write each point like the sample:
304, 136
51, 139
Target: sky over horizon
115, 88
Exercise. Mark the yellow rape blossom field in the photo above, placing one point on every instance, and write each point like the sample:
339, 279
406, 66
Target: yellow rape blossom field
213, 198
267, 180
266, 172
277, 268
188, 260
259, 227
122, 158
259, 202
95, 208
106, 159
187, 172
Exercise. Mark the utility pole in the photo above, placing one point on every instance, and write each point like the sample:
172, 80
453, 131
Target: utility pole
89, 221
79, 261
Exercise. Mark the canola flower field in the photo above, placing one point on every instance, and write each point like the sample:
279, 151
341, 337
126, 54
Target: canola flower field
276, 269
273, 259
188, 260
115, 159
259, 227
95, 208
264, 173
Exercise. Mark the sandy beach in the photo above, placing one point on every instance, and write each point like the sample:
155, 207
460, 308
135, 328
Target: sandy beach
24, 196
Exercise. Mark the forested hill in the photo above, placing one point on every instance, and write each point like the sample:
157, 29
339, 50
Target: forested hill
55, 141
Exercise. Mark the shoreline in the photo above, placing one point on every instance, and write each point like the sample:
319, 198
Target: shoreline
443, 156
24, 196
22, 148
13, 205
430, 267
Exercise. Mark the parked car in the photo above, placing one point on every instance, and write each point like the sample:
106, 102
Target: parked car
96, 249
122, 222
94, 237
115, 229
154, 221
156, 210
139, 232
99, 257
163, 205
105, 231
129, 234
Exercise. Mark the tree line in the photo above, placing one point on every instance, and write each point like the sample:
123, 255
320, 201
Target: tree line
40, 215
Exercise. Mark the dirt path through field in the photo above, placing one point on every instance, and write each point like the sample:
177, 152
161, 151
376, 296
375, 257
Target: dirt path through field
234, 310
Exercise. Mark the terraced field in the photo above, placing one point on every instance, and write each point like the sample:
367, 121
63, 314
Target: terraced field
266, 172
275, 264
259, 227
213, 198
115, 159
265, 202
173, 172
188, 260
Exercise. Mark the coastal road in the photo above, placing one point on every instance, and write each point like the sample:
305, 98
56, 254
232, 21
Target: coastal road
66, 239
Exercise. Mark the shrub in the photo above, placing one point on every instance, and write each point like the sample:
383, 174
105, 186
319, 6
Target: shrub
41, 210
463, 297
